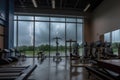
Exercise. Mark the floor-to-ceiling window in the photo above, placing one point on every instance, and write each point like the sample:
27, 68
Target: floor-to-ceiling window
80, 36
25, 37
15, 33
33, 34
115, 40
42, 37
57, 32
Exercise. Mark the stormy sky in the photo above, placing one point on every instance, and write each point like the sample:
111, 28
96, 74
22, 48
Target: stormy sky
26, 31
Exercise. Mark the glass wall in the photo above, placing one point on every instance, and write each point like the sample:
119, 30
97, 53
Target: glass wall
42, 37
15, 33
80, 37
25, 37
107, 37
57, 32
114, 38
33, 34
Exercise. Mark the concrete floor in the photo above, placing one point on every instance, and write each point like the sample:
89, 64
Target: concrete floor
50, 70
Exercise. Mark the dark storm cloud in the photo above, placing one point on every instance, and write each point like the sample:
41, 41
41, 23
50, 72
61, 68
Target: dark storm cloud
71, 31
42, 33
25, 33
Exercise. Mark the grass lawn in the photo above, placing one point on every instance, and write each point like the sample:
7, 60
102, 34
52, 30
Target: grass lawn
30, 53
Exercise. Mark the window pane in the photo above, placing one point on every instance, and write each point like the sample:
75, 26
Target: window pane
57, 19
25, 17
115, 41
15, 34
42, 18
79, 33
70, 19
115, 36
15, 17
70, 31
25, 37
80, 20
58, 30
107, 37
79, 37
70, 35
42, 37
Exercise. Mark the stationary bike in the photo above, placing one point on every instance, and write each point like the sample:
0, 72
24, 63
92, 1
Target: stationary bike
57, 58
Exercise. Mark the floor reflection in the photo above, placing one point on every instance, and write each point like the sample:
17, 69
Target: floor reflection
50, 70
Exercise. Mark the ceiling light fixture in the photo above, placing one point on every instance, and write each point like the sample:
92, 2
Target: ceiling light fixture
34, 3
53, 4
86, 8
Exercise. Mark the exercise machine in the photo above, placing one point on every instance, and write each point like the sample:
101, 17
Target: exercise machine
72, 55
2, 59
57, 58
12, 55
7, 56
16, 73
109, 51
41, 55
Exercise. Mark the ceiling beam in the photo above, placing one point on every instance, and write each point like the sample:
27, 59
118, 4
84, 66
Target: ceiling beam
64, 5
61, 3
48, 3
76, 4
49, 11
21, 3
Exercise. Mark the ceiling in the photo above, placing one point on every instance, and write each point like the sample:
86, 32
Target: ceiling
69, 5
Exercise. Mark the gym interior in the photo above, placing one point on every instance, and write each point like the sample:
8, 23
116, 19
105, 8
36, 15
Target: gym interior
59, 40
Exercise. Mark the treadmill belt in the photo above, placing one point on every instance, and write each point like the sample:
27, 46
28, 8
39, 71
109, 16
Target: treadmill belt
16, 73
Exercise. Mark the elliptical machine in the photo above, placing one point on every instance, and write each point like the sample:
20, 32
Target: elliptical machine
57, 58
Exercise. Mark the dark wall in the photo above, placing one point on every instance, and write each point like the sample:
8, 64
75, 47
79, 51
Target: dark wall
106, 18
11, 24
88, 30
6, 21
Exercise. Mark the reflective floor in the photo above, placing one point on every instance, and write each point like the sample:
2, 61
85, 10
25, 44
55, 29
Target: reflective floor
50, 70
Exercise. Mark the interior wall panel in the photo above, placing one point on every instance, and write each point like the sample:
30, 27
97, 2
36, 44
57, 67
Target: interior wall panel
106, 18
1, 37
